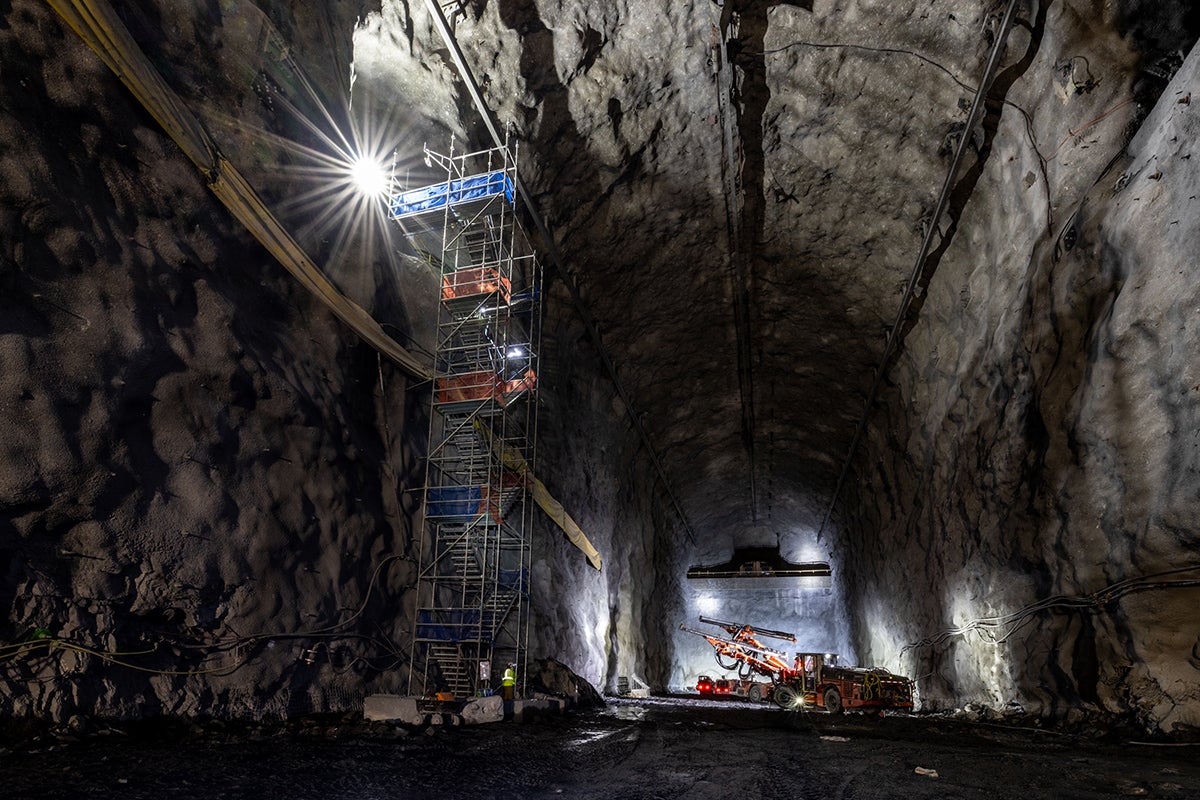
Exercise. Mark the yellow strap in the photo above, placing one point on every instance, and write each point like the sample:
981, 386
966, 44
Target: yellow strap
556, 512
513, 460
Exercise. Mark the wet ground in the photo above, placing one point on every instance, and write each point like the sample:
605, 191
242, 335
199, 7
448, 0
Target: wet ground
631, 749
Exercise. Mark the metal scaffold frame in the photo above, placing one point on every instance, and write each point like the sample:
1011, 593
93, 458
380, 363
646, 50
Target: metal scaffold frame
473, 580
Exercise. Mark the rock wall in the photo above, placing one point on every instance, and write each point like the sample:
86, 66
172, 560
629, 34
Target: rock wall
207, 484
1037, 446
614, 623
201, 468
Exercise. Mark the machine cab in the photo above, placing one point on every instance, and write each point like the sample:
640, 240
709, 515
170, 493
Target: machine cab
809, 668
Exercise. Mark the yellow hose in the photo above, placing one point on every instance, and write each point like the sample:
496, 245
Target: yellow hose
99, 26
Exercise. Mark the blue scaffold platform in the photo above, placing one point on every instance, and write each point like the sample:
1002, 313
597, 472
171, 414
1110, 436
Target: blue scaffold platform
455, 193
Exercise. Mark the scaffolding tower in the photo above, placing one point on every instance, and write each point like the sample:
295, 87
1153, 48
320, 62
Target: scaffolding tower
473, 581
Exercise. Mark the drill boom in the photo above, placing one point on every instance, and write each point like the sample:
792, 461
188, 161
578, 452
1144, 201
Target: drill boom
734, 627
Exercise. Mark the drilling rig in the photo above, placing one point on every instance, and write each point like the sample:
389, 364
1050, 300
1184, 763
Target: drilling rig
811, 679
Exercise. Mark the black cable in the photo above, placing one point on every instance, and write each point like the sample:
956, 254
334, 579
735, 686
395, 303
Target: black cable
964, 86
1009, 624
846, 46
14, 650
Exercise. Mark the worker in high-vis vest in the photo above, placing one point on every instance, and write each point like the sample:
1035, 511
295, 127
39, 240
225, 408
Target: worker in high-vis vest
509, 682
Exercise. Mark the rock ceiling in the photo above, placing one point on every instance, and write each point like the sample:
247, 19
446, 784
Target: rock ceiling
740, 193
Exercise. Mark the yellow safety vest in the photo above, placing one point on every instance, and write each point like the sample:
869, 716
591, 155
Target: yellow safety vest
510, 678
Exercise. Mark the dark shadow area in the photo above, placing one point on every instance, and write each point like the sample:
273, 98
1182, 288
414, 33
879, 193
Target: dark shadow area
661, 747
1160, 28
744, 24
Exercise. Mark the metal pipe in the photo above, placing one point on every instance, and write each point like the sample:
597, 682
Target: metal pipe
464, 70
973, 116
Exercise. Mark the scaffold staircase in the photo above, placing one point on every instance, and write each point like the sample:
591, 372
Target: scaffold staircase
473, 580
453, 672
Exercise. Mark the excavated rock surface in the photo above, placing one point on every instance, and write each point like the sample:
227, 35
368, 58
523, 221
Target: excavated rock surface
1049, 448
739, 191
199, 463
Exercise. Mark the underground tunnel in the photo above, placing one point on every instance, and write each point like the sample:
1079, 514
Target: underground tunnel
714, 293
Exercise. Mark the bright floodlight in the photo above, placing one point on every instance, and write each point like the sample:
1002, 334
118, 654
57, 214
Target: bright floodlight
369, 177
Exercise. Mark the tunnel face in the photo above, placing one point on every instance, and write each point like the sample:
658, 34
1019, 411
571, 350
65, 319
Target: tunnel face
196, 451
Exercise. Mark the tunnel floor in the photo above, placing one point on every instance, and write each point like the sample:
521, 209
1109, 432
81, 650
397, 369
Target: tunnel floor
658, 748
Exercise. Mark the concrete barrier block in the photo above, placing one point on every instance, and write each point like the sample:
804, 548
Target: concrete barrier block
394, 708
